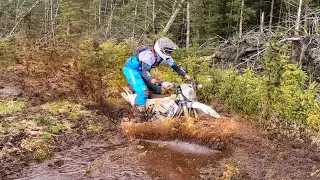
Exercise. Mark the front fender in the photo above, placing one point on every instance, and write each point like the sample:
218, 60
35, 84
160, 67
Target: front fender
204, 108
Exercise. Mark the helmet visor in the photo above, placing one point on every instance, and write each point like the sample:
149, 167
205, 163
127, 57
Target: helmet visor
167, 51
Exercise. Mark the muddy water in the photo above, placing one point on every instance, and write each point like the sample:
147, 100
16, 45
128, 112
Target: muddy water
119, 159
178, 160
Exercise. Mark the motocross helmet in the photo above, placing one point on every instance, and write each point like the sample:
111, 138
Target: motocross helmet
164, 47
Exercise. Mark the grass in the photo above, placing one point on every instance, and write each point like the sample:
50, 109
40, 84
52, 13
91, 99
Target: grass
65, 107
11, 107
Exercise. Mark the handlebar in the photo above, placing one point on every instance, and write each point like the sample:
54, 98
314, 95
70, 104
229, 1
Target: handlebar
169, 85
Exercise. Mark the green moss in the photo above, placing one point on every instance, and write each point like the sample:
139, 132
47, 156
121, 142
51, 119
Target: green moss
231, 172
11, 107
74, 116
11, 126
66, 107
45, 120
61, 107
55, 129
95, 128
47, 135
40, 148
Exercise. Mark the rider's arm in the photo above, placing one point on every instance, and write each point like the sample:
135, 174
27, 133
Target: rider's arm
176, 68
146, 59
146, 71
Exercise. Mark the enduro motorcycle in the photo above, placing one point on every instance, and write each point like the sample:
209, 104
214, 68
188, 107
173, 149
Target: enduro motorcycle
181, 103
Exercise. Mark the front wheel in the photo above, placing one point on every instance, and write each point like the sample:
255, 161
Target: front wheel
203, 108
124, 113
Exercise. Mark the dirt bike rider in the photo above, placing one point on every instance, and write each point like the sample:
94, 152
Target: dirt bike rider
137, 72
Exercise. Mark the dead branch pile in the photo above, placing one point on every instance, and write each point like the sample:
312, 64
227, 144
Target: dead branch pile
248, 52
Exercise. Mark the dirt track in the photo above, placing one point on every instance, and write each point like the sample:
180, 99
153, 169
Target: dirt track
96, 148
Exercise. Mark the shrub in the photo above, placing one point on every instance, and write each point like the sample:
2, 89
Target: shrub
282, 90
7, 53
102, 65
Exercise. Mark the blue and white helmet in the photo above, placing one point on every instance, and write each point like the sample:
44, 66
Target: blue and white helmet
164, 47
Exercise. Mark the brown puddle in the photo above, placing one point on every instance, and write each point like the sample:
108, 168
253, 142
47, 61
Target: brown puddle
178, 160
121, 160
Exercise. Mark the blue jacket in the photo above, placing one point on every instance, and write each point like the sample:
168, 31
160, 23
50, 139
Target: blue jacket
147, 59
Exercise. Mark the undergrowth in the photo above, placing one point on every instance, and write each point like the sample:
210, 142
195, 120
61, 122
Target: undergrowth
281, 90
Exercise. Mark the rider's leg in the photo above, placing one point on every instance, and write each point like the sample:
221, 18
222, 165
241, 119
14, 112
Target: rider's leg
135, 80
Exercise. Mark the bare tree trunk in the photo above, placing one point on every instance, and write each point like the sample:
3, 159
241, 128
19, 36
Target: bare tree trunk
145, 18
51, 22
153, 15
297, 26
188, 25
305, 26
17, 12
173, 17
22, 16
68, 26
99, 13
262, 22
287, 19
271, 15
113, 7
174, 6
280, 15
296, 46
103, 13
56, 15
315, 25
135, 18
241, 20
46, 19
229, 19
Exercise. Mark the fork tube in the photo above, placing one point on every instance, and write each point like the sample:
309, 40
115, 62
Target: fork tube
184, 104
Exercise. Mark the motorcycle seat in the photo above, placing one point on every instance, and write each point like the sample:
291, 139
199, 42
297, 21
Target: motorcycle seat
156, 96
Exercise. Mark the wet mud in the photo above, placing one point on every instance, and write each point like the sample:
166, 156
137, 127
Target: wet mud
73, 163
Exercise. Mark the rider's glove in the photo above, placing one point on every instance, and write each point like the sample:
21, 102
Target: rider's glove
164, 90
156, 82
165, 87
187, 77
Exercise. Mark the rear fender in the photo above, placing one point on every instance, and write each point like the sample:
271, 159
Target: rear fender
129, 96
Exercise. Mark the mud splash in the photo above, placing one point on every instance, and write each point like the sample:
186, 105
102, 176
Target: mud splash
213, 133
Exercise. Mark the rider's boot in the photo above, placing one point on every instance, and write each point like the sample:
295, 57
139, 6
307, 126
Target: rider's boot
139, 114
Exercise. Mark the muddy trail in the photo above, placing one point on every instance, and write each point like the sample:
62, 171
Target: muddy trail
242, 154
42, 137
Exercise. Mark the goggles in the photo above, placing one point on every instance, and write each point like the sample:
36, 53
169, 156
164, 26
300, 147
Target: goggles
168, 51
